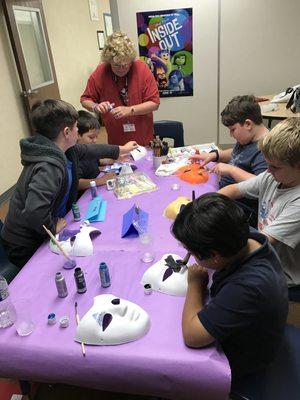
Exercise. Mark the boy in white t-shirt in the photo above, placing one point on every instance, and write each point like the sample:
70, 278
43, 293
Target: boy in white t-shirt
278, 193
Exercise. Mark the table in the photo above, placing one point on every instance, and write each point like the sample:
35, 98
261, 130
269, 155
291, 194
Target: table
159, 364
280, 114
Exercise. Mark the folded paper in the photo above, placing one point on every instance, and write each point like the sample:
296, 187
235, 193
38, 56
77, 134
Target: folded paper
97, 210
135, 222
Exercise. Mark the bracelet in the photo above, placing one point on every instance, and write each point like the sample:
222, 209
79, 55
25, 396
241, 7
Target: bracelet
94, 107
217, 154
132, 111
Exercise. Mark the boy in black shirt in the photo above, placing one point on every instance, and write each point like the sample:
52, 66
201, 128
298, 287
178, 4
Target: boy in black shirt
248, 306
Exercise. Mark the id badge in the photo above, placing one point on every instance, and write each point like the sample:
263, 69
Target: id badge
129, 127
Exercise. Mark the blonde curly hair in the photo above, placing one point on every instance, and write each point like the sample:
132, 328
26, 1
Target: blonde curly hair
118, 48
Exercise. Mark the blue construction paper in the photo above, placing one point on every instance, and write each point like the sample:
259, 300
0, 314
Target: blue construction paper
97, 210
134, 214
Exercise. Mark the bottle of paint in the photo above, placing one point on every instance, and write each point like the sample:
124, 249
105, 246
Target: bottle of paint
80, 281
61, 285
93, 189
104, 275
76, 212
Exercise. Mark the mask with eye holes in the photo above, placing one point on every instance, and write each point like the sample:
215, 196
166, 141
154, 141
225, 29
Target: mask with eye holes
168, 276
76, 243
112, 321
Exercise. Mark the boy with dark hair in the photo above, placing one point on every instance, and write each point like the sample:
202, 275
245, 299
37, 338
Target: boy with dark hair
242, 116
48, 183
248, 306
88, 170
278, 194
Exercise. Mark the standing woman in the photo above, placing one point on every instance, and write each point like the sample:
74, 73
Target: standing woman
123, 90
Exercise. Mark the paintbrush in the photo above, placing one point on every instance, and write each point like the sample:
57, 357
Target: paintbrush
77, 322
70, 263
186, 258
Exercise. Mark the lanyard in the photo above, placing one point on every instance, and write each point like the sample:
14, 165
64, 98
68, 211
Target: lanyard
123, 93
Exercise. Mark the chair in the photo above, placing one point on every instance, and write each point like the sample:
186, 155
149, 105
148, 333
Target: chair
170, 129
7, 269
281, 379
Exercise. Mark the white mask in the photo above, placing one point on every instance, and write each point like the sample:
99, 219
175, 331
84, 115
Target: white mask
111, 321
79, 245
164, 279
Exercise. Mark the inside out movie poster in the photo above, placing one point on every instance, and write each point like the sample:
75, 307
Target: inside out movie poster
165, 45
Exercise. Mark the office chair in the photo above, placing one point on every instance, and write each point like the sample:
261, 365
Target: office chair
7, 269
281, 379
170, 129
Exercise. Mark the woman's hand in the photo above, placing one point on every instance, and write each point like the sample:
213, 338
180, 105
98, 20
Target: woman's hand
103, 107
121, 112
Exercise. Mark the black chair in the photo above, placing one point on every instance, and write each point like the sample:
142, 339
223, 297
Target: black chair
170, 129
7, 269
281, 380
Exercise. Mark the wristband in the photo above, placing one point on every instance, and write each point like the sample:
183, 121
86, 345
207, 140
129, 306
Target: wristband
94, 107
132, 111
217, 154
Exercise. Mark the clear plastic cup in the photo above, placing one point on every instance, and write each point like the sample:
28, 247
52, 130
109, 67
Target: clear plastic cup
23, 319
146, 247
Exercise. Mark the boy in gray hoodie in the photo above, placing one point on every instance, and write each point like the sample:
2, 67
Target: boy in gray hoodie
48, 183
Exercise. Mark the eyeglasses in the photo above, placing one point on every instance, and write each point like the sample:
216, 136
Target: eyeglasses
121, 66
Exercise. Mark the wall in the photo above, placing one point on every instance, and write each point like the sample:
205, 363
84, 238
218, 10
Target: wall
199, 112
13, 123
74, 43
75, 51
259, 48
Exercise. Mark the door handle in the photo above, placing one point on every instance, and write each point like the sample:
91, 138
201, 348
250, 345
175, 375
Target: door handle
29, 92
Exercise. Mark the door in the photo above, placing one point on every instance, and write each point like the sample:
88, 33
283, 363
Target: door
30, 43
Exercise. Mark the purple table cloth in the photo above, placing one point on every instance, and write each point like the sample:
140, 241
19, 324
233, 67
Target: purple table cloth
159, 364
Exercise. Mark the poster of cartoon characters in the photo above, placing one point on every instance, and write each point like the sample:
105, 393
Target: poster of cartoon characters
165, 45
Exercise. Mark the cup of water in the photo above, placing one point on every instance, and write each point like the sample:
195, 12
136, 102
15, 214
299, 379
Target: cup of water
146, 245
23, 319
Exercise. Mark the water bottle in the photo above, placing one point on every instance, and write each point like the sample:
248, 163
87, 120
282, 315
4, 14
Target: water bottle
93, 189
104, 275
7, 310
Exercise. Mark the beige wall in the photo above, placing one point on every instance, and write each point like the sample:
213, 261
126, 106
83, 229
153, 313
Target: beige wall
259, 48
73, 43
13, 123
75, 50
199, 112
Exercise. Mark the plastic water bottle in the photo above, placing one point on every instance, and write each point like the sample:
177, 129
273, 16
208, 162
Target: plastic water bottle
7, 310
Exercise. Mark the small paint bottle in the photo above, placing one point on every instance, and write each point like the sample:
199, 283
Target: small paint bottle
147, 288
76, 212
93, 189
61, 285
104, 275
79, 280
